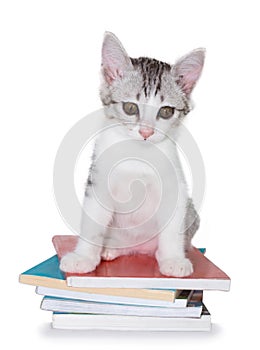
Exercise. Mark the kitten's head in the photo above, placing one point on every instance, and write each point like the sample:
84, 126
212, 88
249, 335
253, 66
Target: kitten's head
147, 96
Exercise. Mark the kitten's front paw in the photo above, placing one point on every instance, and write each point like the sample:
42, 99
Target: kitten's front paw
176, 267
73, 262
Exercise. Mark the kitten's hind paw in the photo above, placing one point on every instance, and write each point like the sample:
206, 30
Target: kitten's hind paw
176, 267
73, 262
109, 254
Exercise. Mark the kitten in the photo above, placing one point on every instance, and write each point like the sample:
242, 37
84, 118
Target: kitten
148, 98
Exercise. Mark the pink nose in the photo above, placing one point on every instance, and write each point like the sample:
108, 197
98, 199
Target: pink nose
146, 132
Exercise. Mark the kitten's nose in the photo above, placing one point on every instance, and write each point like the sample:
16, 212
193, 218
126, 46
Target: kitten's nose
146, 132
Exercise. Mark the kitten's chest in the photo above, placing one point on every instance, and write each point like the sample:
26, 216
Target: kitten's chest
134, 178
134, 169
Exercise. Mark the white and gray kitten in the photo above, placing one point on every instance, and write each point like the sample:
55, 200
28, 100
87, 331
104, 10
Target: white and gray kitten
148, 98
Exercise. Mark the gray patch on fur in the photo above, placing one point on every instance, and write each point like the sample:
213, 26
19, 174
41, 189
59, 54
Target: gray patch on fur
192, 223
92, 170
146, 77
151, 71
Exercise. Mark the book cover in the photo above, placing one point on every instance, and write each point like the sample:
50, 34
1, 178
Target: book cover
142, 271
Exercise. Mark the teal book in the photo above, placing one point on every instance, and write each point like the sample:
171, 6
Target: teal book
50, 280
46, 269
48, 274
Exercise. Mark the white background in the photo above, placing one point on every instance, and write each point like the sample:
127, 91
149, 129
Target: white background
49, 79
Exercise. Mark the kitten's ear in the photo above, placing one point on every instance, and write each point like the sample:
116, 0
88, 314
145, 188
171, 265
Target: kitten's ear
114, 58
188, 68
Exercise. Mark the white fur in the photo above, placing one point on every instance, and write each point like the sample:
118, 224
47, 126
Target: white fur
95, 242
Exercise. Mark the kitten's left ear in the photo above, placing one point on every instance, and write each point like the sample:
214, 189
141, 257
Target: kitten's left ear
187, 70
115, 60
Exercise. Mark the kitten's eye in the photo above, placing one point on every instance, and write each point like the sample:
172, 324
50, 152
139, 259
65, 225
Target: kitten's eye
166, 112
130, 108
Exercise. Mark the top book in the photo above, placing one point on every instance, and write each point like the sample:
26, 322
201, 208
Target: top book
142, 271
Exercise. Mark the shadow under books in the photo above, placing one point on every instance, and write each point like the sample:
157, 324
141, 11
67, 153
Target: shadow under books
46, 330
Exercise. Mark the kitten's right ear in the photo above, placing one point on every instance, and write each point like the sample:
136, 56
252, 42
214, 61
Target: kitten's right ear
115, 60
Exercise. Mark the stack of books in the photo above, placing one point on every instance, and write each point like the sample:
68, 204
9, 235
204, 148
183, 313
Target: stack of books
128, 293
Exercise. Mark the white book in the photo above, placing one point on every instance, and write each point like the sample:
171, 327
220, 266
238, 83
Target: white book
193, 309
180, 300
131, 323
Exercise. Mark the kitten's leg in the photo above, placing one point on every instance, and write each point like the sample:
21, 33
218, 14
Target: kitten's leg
87, 253
112, 247
171, 247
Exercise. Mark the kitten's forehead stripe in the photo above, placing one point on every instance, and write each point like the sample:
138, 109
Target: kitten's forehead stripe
152, 71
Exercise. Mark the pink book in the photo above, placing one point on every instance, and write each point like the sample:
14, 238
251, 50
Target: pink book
142, 271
